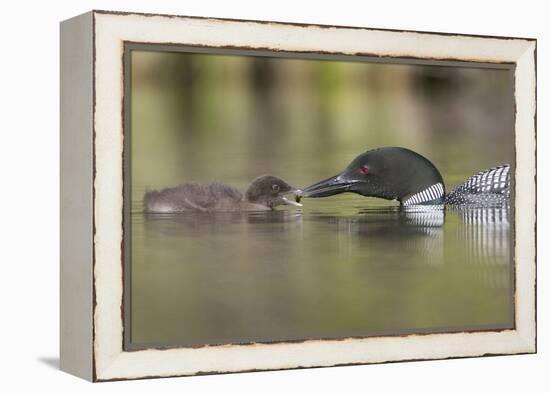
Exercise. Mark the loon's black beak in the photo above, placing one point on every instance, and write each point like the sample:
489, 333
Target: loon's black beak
331, 186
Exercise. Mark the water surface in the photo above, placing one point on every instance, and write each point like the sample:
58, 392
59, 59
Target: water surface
332, 269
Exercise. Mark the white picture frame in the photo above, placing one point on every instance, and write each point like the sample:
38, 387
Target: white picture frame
92, 192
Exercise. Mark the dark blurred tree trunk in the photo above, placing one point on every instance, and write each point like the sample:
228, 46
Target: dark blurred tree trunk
267, 132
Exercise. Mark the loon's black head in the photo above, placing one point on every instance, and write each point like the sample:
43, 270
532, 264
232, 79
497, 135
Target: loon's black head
389, 173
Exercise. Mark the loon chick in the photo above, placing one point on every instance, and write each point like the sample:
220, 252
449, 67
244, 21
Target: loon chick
401, 174
264, 193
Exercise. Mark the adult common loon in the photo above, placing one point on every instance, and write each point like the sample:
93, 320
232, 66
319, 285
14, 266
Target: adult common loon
401, 174
264, 193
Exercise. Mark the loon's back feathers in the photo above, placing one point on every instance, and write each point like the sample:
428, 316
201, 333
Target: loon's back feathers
488, 188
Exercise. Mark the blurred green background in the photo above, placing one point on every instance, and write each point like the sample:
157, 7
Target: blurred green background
340, 266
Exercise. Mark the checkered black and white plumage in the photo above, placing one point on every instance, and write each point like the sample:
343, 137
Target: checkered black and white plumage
488, 188
431, 193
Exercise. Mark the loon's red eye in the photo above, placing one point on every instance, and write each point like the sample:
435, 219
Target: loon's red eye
365, 170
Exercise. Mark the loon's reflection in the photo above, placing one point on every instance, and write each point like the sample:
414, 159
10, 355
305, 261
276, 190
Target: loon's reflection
487, 240
437, 233
200, 223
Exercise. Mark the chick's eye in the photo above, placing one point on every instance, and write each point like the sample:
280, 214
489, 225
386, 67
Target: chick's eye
365, 170
275, 187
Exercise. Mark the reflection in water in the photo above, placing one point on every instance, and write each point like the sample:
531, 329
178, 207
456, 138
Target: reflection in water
486, 236
331, 270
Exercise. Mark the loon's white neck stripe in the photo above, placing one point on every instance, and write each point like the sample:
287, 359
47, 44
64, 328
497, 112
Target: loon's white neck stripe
429, 194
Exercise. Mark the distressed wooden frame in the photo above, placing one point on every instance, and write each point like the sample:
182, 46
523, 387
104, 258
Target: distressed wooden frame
92, 189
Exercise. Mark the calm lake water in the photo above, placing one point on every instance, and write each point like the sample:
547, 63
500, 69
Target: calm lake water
334, 268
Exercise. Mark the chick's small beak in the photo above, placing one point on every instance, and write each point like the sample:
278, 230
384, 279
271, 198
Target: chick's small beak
297, 196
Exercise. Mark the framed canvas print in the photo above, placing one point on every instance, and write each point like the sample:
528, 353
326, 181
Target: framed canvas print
244, 195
